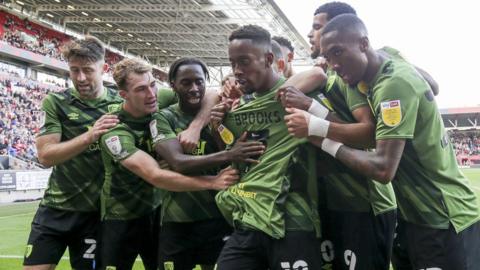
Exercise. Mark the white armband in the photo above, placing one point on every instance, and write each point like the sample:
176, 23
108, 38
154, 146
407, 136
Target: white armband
331, 146
318, 126
318, 109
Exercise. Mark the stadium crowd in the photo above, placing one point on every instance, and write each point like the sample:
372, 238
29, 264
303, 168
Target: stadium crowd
260, 177
465, 144
20, 114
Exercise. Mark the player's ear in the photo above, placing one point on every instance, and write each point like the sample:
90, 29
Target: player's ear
281, 65
268, 59
123, 94
290, 56
364, 44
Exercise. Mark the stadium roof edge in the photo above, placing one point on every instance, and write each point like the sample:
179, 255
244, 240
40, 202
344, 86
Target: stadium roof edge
462, 110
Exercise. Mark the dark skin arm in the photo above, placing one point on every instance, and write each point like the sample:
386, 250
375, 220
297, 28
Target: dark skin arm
358, 134
242, 151
380, 165
189, 137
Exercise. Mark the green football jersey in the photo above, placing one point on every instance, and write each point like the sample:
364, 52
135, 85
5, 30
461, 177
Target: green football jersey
124, 194
347, 190
76, 183
430, 189
185, 206
259, 200
166, 97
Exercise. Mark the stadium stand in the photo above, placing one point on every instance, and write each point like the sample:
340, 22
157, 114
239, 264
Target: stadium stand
463, 127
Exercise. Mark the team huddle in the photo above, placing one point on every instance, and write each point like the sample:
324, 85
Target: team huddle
343, 166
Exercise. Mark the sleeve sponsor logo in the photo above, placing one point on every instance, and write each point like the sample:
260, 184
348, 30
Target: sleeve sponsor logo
114, 145
391, 112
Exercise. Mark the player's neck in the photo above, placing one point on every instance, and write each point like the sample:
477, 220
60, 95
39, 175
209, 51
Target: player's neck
188, 109
269, 82
375, 61
134, 113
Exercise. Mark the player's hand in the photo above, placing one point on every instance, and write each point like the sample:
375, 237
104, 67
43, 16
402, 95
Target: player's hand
231, 89
294, 98
225, 178
246, 151
297, 122
189, 139
101, 126
218, 112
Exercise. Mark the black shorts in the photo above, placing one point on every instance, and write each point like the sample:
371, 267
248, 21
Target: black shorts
184, 245
255, 250
362, 241
442, 249
325, 241
54, 230
123, 240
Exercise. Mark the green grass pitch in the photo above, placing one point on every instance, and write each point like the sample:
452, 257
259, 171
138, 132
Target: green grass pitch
15, 222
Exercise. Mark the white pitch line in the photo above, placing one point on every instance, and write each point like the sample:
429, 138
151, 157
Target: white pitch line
21, 257
18, 215
475, 187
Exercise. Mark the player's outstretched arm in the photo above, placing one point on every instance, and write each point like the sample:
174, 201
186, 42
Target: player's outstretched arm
143, 165
242, 151
52, 151
189, 137
380, 165
307, 81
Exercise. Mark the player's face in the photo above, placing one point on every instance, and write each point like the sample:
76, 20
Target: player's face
141, 94
345, 55
189, 85
319, 21
86, 77
250, 64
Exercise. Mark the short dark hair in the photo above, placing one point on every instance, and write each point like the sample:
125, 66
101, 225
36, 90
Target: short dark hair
333, 9
255, 33
284, 42
345, 23
172, 72
90, 49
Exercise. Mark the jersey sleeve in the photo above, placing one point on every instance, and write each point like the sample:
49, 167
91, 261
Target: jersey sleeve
161, 128
166, 97
50, 122
396, 110
353, 97
118, 143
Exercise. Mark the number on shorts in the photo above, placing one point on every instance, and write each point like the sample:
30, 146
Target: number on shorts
350, 259
326, 247
298, 265
90, 252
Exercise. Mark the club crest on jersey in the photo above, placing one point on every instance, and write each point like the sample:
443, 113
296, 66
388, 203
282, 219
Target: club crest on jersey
391, 112
114, 145
28, 251
325, 101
